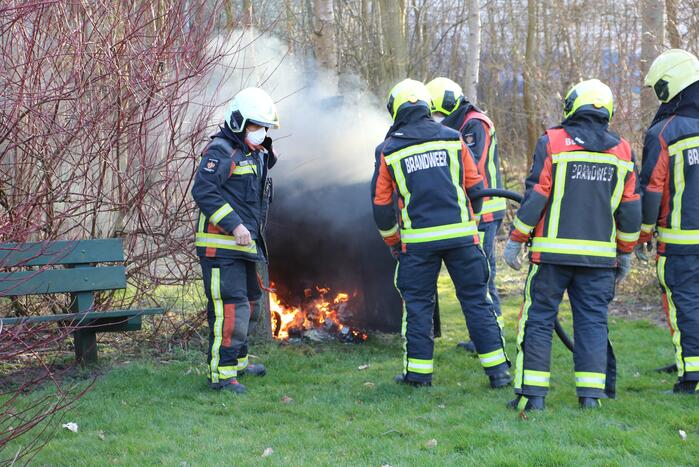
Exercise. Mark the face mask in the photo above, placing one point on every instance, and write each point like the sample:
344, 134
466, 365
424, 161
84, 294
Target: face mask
257, 137
438, 118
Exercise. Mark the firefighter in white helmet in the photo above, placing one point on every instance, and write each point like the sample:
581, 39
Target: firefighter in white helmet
232, 192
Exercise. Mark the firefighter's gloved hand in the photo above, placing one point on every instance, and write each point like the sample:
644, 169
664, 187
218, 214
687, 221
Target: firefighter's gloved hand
395, 250
642, 250
623, 266
242, 235
511, 254
267, 144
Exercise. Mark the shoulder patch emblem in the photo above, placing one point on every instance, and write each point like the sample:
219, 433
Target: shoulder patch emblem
210, 165
469, 139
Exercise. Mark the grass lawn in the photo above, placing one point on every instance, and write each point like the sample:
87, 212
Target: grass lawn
316, 407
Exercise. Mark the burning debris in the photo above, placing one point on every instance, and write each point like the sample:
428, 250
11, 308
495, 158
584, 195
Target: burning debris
319, 317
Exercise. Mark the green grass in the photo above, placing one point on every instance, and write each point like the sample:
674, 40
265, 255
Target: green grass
149, 412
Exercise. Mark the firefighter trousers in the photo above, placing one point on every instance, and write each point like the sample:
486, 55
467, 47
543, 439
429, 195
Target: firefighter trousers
590, 291
416, 280
233, 294
679, 281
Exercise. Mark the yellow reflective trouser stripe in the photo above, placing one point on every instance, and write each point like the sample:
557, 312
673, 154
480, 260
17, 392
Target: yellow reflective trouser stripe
242, 363
247, 169
567, 246
441, 232
537, 378
491, 359
417, 365
647, 228
404, 321
627, 237
519, 367
678, 236
225, 242
389, 232
220, 213
672, 315
493, 205
218, 325
584, 379
226, 372
691, 363
521, 226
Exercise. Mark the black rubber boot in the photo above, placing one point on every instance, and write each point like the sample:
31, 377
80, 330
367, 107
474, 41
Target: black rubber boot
231, 385
254, 369
686, 387
401, 379
468, 346
589, 403
527, 403
500, 380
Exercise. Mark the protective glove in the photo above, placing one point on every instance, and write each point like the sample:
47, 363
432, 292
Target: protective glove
623, 266
642, 250
511, 254
395, 250
267, 144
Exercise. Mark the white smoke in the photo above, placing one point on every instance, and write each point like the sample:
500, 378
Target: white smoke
327, 137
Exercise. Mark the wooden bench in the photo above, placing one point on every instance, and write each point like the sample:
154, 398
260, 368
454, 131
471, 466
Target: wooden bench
71, 267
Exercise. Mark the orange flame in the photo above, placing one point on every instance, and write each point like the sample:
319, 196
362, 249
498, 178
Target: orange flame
317, 313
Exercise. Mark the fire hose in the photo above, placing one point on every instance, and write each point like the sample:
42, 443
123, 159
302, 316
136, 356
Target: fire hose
511, 195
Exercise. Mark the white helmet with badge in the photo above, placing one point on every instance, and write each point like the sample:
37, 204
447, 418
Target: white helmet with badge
252, 105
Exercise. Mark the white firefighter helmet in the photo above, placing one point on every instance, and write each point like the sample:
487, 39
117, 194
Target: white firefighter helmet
252, 105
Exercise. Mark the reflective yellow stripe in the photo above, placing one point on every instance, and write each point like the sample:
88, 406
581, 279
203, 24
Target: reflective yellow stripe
202, 222
491, 359
678, 236
454, 169
220, 213
442, 232
389, 232
672, 315
227, 372
493, 205
594, 157
225, 242
559, 190
691, 363
537, 378
627, 237
519, 367
417, 365
246, 169
521, 226
218, 323
616, 199
676, 216
647, 228
242, 363
420, 148
566, 246
584, 379
491, 164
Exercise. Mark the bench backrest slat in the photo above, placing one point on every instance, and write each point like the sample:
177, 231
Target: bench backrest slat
61, 252
62, 280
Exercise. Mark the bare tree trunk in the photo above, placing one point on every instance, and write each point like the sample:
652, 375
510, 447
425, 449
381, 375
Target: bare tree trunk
671, 24
246, 18
324, 38
653, 32
395, 53
473, 51
529, 67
